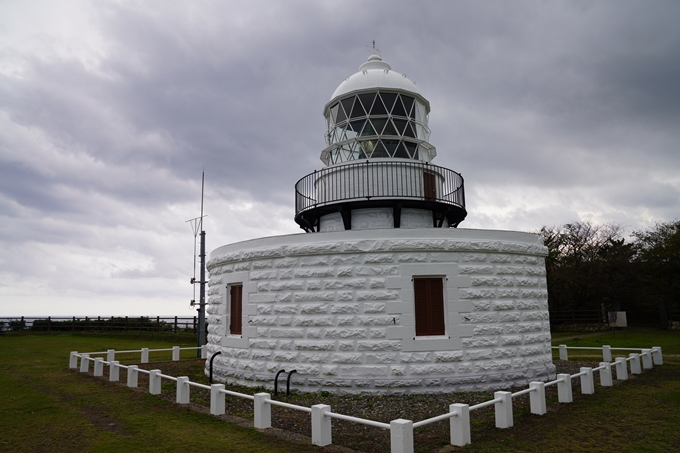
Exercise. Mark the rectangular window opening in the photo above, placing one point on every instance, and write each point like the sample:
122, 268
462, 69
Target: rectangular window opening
429, 306
235, 309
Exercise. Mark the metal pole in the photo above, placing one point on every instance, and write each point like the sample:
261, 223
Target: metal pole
201, 306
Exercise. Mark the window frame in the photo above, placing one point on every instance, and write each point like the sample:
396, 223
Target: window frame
235, 319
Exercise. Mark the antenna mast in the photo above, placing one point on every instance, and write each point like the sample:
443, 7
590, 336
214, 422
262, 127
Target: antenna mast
197, 225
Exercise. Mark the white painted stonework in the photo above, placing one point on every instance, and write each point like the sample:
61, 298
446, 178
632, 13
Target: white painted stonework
338, 308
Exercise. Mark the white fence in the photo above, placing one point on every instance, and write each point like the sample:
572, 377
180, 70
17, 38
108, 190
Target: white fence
401, 430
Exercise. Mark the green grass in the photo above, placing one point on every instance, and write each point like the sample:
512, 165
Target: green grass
44, 407
669, 341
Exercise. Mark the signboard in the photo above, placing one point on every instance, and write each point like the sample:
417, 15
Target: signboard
617, 319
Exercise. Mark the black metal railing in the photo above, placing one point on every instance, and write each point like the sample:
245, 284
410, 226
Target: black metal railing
379, 180
158, 324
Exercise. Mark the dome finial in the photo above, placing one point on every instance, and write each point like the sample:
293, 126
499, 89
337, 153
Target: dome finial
374, 50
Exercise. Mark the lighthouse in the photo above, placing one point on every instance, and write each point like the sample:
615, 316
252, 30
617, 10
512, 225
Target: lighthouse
382, 292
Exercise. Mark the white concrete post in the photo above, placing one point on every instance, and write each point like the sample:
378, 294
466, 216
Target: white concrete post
607, 353
183, 390
657, 355
401, 436
110, 355
564, 394
155, 382
647, 359
204, 351
587, 381
537, 398
217, 399
145, 355
175, 353
460, 424
635, 367
321, 425
503, 409
114, 371
263, 411
84, 363
98, 366
606, 374
132, 376
621, 369
73, 359
564, 355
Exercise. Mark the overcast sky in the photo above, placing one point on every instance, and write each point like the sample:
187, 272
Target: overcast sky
109, 110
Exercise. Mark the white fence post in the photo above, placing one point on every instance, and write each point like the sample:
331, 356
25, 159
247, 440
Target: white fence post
321, 425
606, 374
110, 355
657, 355
155, 382
647, 359
73, 359
84, 363
621, 369
564, 394
460, 424
537, 398
263, 411
132, 376
635, 367
607, 353
217, 399
564, 355
204, 351
401, 436
503, 409
183, 390
145, 355
114, 371
98, 366
175, 353
587, 381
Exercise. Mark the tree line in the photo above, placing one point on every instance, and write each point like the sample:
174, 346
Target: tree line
595, 267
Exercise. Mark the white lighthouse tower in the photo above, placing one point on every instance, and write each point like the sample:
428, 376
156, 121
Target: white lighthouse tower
383, 292
378, 172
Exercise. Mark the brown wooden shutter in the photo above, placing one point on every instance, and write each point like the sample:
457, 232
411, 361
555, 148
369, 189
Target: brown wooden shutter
429, 306
236, 311
429, 187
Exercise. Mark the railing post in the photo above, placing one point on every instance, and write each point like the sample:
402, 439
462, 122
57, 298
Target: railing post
114, 371
175, 353
647, 359
110, 355
537, 398
204, 351
263, 411
84, 363
98, 366
607, 353
217, 399
606, 374
73, 359
587, 382
564, 394
321, 425
635, 367
132, 376
145, 355
564, 355
460, 424
155, 382
503, 410
621, 369
183, 390
657, 355
401, 436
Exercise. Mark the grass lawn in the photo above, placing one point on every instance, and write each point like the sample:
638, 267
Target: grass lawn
44, 407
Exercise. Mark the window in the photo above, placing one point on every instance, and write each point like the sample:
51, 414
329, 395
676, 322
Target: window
235, 309
429, 306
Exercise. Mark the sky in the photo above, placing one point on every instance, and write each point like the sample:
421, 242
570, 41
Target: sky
110, 111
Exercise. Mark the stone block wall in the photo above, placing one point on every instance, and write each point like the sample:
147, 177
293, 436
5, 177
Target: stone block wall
338, 308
